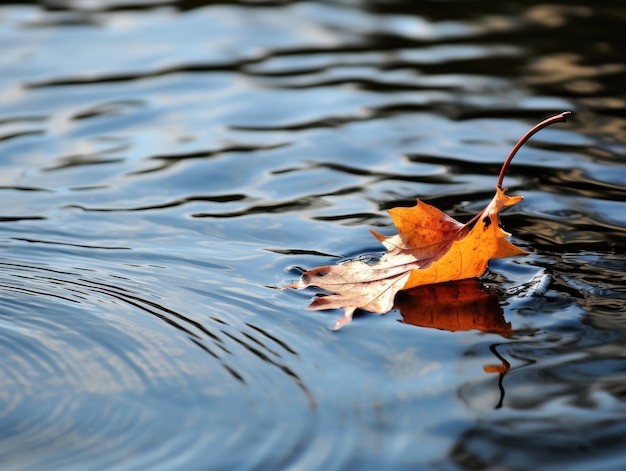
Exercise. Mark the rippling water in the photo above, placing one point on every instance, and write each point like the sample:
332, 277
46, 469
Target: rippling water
164, 165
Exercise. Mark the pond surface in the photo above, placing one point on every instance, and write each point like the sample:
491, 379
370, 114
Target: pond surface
165, 165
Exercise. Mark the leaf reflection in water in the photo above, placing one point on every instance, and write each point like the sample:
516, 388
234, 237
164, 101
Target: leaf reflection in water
453, 306
458, 306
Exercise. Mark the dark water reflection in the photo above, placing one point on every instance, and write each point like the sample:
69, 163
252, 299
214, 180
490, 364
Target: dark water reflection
163, 164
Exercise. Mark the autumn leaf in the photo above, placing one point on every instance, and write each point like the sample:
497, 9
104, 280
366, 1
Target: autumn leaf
430, 247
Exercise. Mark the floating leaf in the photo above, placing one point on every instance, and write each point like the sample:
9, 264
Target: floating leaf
430, 247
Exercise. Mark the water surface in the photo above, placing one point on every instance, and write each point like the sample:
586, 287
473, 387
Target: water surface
164, 165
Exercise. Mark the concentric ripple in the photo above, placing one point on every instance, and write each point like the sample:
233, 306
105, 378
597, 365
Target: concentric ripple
89, 365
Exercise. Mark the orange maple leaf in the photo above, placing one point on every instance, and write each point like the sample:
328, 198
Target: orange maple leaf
430, 247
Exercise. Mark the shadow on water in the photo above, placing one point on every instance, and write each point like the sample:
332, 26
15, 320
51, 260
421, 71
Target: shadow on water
163, 163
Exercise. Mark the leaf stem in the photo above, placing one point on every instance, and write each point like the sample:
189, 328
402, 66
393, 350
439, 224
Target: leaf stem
559, 118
